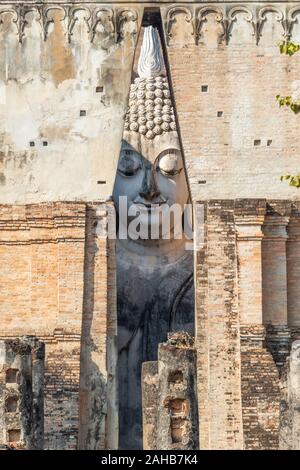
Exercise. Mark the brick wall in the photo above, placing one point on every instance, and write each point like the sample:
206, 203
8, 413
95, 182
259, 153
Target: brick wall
261, 392
234, 136
61, 391
241, 351
46, 290
42, 256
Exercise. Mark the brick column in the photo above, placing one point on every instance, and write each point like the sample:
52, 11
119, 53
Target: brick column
217, 327
274, 280
98, 426
249, 217
274, 273
293, 271
259, 375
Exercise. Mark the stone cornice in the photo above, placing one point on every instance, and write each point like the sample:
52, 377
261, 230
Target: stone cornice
59, 335
42, 223
146, 2
117, 18
112, 17
275, 228
57, 222
253, 13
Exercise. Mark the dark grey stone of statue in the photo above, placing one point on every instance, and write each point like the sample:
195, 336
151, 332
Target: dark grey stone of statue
150, 304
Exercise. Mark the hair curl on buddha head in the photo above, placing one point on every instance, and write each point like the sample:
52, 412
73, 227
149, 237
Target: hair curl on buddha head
150, 111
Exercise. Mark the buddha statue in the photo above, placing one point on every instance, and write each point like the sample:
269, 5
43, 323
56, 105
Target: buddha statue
154, 273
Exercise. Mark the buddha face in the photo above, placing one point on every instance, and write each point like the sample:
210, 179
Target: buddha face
151, 176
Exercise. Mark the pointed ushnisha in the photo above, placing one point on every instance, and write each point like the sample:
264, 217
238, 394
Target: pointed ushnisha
150, 111
150, 62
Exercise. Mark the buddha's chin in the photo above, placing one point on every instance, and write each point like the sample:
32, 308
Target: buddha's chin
144, 220
148, 223
147, 231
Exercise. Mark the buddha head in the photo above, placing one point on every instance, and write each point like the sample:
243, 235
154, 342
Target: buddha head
150, 170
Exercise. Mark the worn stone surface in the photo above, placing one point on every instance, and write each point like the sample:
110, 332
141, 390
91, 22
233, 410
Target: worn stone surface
170, 412
149, 404
278, 343
21, 393
290, 417
38, 387
177, 423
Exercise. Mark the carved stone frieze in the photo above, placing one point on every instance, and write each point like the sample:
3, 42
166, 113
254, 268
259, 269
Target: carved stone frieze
227, 15
171, 19
114, 22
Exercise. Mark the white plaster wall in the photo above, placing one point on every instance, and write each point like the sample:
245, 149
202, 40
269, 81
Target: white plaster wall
44, 84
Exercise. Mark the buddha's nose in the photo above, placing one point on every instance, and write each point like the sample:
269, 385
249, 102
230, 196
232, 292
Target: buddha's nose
149, 189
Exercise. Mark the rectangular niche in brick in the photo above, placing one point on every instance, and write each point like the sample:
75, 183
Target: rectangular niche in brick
11, 404
179, 409
14, 435
177, 429
11, 376
176, 377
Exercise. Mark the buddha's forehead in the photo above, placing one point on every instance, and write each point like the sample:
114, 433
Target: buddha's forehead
150, 149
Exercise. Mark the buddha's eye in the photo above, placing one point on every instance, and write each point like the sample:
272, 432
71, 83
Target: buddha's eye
170, 164
129, 163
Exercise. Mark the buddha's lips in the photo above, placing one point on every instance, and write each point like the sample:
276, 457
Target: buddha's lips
150, 207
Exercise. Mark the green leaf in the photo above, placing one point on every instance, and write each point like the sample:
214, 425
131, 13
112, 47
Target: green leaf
288, 48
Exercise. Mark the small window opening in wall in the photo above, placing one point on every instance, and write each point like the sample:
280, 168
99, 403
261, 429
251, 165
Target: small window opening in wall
14, 435
204, 88
220, 113
45, 143
11, 376
269, 142
31, 143
82, 112
176, 377
202, 182
179, 410
257, 142
99, 89
11, 404
101, 182
177, 429
178, 407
